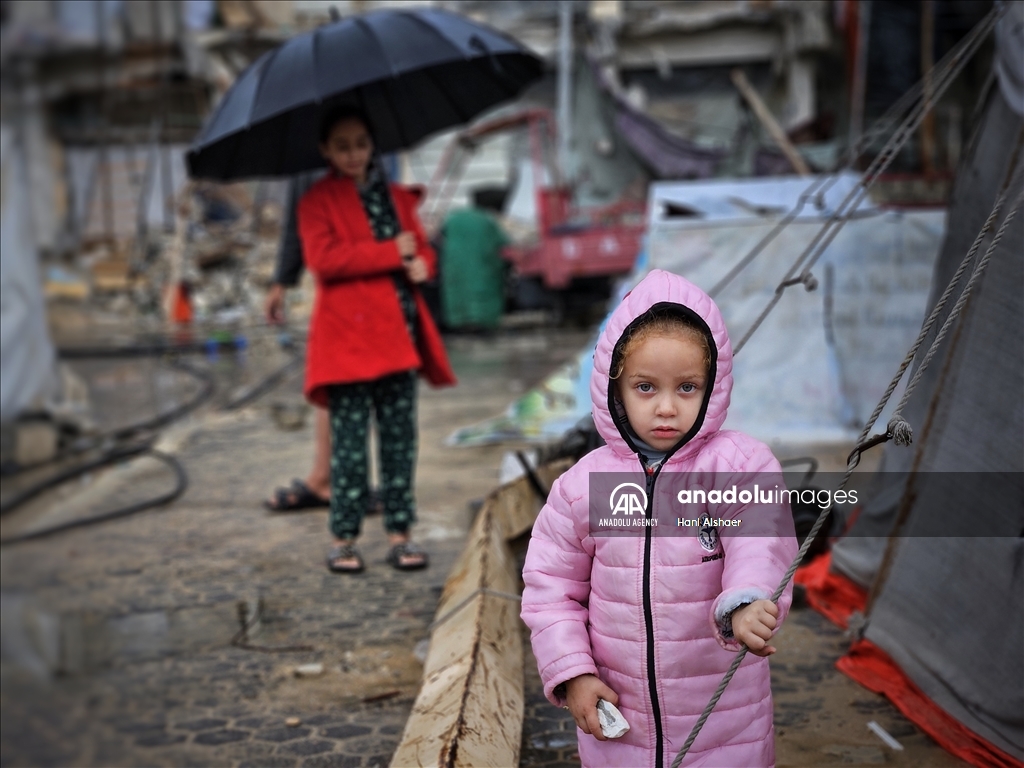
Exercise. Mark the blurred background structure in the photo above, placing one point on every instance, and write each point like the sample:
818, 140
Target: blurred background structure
102, 98
662, 134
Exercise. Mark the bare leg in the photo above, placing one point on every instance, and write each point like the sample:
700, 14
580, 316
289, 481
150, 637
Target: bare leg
319, 478
318, 481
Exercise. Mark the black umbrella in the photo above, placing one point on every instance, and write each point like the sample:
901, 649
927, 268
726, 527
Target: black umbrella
412, 72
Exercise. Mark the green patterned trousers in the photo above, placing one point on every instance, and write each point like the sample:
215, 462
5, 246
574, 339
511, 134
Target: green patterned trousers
393, 401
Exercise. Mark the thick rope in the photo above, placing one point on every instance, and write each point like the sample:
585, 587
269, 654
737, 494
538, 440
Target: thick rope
881, 162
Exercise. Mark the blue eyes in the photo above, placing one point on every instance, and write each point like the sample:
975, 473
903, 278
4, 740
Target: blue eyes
647, 388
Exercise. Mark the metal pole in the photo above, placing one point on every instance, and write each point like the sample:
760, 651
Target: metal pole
860, 74
565, 57
166, 180
107, 182
927, 61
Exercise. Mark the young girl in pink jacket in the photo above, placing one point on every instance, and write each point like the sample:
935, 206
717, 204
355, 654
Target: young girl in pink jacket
649, 620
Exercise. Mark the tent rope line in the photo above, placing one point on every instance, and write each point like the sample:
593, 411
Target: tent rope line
886, 155
882, 160
898, 429
821, 184
957, 307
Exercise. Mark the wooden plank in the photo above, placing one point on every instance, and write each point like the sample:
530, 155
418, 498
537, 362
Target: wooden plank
469, 710
769, 122
470, 703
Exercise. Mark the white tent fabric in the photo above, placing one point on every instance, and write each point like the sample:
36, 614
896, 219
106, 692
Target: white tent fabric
816, 367
26, 354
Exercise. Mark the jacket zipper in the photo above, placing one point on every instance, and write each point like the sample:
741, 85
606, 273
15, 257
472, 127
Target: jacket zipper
652, 684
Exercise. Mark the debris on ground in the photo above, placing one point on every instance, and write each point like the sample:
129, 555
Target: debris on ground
309, 670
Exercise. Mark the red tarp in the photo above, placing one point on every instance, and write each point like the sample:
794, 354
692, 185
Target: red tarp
835, 597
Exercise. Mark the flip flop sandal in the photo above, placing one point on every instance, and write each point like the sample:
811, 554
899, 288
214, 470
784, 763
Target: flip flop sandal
346, 552
397, 552
294, 498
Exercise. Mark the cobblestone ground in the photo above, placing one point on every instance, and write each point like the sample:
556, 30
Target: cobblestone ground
117, 638
821, 715
549, 733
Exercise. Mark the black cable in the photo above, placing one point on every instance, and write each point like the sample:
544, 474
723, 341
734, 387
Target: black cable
156, 344
109, 457
181, 485
268, 382
93, 442
118, 453
148, 349
531, 477
163, 419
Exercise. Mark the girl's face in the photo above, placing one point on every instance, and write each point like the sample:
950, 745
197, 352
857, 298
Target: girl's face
662, 388
349, 148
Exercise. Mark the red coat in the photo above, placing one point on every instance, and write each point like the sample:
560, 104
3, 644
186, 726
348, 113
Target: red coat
358, 332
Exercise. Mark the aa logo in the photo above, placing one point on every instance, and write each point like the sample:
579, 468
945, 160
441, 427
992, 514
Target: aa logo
629, 499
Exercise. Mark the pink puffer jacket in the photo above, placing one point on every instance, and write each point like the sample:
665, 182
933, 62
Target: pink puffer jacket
644, 612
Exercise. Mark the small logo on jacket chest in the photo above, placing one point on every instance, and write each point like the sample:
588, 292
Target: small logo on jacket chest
708, 537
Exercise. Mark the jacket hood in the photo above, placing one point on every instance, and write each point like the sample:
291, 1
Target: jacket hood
663, 291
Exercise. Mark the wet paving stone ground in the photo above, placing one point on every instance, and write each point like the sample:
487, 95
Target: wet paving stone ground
117, 638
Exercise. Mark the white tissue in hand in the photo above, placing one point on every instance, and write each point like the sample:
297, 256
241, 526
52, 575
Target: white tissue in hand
613, 724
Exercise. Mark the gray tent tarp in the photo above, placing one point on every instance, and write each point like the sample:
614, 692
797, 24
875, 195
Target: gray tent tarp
26, 354
949, 611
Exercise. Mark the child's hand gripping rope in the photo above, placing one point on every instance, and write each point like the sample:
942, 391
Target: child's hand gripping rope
753, 625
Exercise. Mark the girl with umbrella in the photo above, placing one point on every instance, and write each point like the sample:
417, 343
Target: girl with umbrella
369, 335
417, 71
